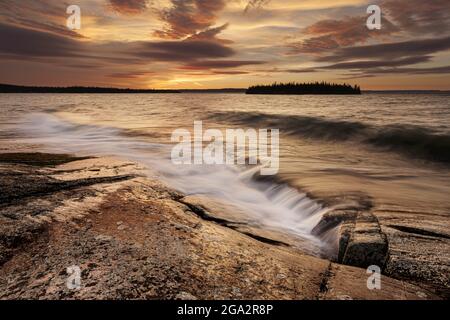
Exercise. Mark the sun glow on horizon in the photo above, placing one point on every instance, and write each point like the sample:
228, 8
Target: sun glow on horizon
176, 44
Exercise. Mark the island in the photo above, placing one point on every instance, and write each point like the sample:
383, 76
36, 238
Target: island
304, 88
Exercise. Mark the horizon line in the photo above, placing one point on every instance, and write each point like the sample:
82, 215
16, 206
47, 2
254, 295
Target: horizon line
180, 90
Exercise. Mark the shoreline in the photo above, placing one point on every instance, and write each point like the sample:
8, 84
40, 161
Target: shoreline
135, 238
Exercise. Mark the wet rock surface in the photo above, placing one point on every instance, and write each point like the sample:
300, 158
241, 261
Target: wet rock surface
411, 246
134, 238
367, 244
419, 248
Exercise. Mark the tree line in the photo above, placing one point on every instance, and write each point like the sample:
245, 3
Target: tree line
304, 88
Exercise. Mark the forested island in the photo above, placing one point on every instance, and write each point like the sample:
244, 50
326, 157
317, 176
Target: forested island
7, 88
304, 88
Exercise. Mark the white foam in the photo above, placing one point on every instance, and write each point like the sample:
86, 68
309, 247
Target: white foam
268, 204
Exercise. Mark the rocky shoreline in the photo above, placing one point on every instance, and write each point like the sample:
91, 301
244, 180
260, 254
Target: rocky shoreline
134, 238
410, 246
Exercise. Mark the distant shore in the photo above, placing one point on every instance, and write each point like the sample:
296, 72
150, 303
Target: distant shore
9, 88
6, 88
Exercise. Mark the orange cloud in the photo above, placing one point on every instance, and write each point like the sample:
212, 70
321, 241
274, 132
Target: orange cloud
129, 7
188, 17
332, 34
418, 16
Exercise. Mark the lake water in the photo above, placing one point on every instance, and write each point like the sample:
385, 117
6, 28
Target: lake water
389, 151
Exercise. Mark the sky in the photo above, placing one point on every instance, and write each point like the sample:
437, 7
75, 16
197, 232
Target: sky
200, 44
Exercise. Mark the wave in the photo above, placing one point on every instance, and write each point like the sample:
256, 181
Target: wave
413, 141
266, 204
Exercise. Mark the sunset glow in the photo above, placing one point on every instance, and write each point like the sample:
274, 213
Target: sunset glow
225, 43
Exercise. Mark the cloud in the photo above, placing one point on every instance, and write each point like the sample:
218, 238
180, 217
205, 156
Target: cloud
219, 64
37, 45
386, 58
255, 4
108, 60
368, 69
330, 34
444, 70
433, 70
188, 17
181, 51
211, 34
418, 16
366, 64
230, 72
343, 43
195, 19
395, 50
41, 15
415, 16
130, 75
34, 44
128, 7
